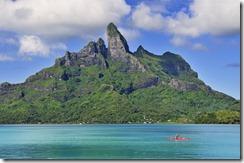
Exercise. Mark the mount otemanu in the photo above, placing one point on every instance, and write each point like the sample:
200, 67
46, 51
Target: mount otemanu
111, 84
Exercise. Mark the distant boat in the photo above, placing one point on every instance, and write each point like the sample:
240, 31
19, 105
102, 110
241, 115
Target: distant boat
178, 138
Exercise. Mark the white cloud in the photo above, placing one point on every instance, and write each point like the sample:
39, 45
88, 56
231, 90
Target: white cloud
60, 18
31, 45
4, 57
216, 17
181, 26
129, 34
146, 18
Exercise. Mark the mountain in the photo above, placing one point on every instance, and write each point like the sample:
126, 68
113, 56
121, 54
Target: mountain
100, 84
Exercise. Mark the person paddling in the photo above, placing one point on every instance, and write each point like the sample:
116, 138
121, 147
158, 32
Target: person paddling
177, 136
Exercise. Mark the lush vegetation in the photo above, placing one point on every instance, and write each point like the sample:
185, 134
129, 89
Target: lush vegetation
220, 116
92, 94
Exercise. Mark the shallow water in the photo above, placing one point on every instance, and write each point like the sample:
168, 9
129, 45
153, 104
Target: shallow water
125, 141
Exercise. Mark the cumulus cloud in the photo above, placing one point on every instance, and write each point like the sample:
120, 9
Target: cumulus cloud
4, 57
60, 18
216, 17
146, 18
31, 45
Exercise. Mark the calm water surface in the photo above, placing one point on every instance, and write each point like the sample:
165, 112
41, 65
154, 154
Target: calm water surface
131, 141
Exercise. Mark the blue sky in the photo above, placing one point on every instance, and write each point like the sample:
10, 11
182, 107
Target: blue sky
34, 33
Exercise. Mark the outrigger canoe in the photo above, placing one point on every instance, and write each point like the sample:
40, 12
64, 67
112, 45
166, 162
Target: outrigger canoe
173, 138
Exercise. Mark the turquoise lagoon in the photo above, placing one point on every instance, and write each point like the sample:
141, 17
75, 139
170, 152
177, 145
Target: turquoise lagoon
119, 141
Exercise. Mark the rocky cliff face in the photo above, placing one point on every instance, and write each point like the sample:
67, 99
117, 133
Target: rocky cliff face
117, 45
96, 53
183, 86
118, 49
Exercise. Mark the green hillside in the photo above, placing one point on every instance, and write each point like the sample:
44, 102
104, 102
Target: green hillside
102, 84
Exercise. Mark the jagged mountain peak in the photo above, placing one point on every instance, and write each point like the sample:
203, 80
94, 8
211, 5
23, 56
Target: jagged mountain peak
98, 53
140, 48
100, 41
117, 44
112, 30
140, 51
101, 47
89, 48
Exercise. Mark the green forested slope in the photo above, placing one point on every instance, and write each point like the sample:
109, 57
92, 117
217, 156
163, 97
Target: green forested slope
113, 85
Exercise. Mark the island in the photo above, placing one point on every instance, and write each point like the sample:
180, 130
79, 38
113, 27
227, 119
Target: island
100, 84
